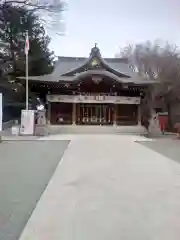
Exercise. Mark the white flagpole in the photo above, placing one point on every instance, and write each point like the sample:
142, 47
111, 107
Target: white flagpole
27, 85
27, 70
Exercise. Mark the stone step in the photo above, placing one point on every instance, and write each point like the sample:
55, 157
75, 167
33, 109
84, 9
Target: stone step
57, 129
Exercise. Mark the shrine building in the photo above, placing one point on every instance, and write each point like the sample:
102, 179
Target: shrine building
90, 91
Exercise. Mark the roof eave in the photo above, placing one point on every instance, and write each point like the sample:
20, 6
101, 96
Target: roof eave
47, 79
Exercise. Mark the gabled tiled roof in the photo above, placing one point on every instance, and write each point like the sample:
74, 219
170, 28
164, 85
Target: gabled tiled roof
120, 65
69, 68
67, 64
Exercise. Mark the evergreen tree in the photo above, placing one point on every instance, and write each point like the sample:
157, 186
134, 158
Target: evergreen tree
15, 21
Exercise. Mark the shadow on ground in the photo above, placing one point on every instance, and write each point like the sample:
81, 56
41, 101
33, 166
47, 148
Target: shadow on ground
167, 147
25, 170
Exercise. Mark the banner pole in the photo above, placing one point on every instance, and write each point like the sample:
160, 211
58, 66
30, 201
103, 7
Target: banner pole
27, 70
27, 87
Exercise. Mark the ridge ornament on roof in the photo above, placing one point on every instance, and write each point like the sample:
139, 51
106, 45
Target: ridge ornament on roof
95, 52
94, 57
94, 62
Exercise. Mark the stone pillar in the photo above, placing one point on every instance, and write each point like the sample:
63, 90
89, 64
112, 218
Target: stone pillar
41, 117
139, 114
49, 113
41, 127
154, 128
114, 115
74, 114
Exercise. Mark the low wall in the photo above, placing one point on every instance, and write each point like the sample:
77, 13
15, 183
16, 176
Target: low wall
8, 124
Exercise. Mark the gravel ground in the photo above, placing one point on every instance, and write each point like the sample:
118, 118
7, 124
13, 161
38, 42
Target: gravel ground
168, 147
25, 170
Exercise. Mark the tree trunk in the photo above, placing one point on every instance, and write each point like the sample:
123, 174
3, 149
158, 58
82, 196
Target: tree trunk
13, 57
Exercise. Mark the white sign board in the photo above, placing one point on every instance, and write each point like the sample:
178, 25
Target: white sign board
93, 99
27, 122
1, 112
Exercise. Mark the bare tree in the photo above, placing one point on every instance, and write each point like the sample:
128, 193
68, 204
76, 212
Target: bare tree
53, 6
49, 11
161, 62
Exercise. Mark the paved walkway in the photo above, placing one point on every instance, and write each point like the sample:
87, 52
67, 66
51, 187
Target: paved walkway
109, 187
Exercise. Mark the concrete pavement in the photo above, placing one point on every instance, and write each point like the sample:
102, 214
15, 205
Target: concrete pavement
25, 170
165, 146
109, 187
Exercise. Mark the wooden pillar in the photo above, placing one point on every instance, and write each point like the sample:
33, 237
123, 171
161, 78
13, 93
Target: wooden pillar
114, 115
139, 114
49, 113
74, 114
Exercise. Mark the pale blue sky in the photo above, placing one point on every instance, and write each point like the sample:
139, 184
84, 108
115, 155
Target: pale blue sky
113, 24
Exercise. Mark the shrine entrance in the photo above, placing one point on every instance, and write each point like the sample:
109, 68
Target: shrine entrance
94, 114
